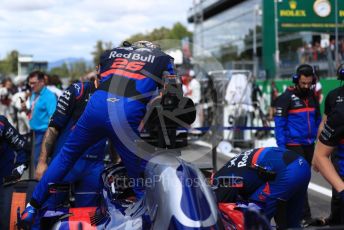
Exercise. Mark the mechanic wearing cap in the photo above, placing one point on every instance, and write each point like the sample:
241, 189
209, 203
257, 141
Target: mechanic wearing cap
86, 171
297, 118
129, 76
265, 176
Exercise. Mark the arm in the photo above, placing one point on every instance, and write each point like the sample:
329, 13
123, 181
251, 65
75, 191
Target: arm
47, 148
281, 120
58, 121
323, 163
321, 125
14, 139
329, 138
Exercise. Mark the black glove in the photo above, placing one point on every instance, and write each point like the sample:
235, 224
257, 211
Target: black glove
15, 176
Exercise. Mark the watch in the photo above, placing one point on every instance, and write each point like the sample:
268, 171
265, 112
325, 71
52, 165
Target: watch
322, 8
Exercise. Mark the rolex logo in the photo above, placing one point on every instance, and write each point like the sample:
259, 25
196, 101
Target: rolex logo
292, 4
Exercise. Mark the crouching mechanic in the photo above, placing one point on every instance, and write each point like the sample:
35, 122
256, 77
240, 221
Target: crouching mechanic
130, 75
86, 172
264, 176
14, 153
330, 139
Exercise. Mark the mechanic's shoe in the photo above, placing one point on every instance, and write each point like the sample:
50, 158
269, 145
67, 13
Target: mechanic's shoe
319, 221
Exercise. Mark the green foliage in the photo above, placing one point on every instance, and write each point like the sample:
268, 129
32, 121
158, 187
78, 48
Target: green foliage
9, 65
78, 69
99, 49
74, 70
177, 32
61, 71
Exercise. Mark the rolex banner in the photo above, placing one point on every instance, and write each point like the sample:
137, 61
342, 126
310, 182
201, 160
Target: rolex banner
309, 15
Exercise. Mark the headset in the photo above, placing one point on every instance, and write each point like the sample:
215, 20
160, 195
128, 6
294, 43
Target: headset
306, 70
340, 72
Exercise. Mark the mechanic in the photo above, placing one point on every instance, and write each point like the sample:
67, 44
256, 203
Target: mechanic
86, 172
130, 76
331, 138
297, 119
334, 99
265, 176
14, 153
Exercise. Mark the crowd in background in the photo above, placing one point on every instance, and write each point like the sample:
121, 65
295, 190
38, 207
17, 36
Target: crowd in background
315, 51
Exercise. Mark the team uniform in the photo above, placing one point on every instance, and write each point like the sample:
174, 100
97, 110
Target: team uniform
264, 176
297, 119
86, 171
129, 78
13, 147
333, 98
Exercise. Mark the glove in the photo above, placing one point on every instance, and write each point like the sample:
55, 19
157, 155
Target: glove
28, 216
15, 176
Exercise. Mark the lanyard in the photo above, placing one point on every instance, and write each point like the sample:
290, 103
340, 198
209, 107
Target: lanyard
33, 106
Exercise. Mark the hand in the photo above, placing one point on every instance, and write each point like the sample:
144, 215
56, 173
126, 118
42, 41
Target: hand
15, 176
27, 217
22, 105
41, 168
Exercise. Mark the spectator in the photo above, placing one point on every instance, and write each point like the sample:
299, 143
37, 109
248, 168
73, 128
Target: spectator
6, 92
297, 119
192, 89
42, 105
318, 91
54, 84
273, 96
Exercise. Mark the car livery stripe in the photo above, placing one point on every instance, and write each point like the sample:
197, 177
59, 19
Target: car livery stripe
81, 216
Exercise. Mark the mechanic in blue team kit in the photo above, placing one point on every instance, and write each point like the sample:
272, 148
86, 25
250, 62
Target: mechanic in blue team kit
130, 76
86, 172
12, 165
265, 176
297, 119
331, 142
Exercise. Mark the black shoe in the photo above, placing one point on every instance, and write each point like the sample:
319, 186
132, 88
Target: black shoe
319, 221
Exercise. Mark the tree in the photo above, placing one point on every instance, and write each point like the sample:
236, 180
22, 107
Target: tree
78, 69
177, 32
99, 49
61, 71
10, 64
